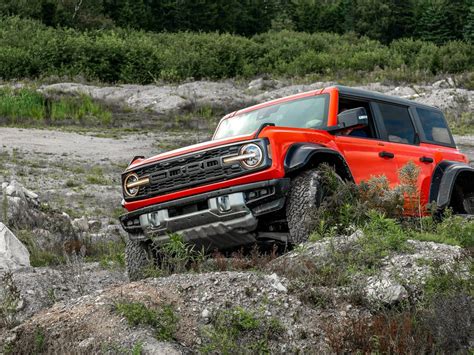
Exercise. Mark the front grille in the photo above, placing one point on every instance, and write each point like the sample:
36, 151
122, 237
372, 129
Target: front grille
190, 170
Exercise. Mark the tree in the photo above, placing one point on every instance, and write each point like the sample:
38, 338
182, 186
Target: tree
435, 23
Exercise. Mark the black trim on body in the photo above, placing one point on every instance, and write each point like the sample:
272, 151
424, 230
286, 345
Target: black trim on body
300, 155
443, 181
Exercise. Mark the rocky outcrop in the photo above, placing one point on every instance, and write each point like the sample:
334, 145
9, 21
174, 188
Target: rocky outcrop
300, 318
13, 254
229, 95
47, 228
400, 274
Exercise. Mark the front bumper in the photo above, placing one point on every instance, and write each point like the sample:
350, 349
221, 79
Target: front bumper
221, 218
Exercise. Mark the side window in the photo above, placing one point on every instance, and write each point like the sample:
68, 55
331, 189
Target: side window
434, 126
397, 123
349, 103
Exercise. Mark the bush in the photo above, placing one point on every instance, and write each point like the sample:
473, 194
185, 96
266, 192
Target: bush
29, 49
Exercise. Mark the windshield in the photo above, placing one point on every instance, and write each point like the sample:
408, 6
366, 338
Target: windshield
309, 112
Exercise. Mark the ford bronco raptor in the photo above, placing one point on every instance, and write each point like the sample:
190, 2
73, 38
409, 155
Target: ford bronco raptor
258, 176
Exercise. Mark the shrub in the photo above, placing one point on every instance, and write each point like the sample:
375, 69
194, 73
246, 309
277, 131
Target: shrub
28, 49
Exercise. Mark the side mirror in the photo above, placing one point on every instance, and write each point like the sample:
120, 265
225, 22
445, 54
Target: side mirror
355, 117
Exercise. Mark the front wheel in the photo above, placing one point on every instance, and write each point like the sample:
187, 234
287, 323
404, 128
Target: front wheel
138, 258
307, 191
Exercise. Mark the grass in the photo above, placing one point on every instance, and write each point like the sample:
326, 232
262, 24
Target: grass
26, 106
96, 177
38, 257
163, 319
109, 254
242, 331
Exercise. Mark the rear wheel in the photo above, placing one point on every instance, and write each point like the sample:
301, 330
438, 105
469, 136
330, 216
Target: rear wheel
306, 194
468, 203
138, 258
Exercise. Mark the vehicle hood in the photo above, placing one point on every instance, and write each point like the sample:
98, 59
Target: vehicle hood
189, 149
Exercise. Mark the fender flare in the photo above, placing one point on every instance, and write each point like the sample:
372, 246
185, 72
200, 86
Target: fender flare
301, 155
443, 181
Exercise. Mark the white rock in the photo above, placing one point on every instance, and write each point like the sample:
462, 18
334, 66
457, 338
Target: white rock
13, 254
256, 84
205, 313
385, 291
30, 194
80, 224
276, 284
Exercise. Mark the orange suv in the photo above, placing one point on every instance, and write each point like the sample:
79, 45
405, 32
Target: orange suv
258, 176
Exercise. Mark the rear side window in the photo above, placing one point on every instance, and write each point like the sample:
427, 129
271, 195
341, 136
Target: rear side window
397, 123
434, 126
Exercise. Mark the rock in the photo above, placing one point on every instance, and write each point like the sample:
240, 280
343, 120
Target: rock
276, 284
152, 346
14, 189
205, 313
444, 83
386, 291
94, 225
13, 254
81, 224
257, 84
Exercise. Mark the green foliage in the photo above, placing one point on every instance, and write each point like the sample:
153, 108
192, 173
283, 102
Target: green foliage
451, 229
384, 20
110, 254
175, 256
38, 256
163, 320
237, 330
39, 340
27, 106
29, 49
9, 299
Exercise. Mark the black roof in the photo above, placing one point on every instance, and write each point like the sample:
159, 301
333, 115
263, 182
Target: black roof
372, 95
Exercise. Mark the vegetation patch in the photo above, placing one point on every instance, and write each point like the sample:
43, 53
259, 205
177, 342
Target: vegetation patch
26, 106
237, 330
163, 320
29, 49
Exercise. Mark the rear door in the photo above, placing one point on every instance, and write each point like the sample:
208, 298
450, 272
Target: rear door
399, 130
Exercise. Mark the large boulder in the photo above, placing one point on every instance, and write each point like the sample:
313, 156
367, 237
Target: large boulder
13, 254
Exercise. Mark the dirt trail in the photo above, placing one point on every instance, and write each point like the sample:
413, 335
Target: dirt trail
89, 147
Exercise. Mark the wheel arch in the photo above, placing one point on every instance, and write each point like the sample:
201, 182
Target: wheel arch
303, 156
448, 180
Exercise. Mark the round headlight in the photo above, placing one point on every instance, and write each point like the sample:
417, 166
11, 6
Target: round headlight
129, 180
255, 155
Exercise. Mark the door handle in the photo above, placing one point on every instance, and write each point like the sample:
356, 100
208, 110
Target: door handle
385, 154
426, 160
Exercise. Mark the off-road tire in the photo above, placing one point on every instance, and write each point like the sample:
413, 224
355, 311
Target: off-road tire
305, 196
468, 203
138, 258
